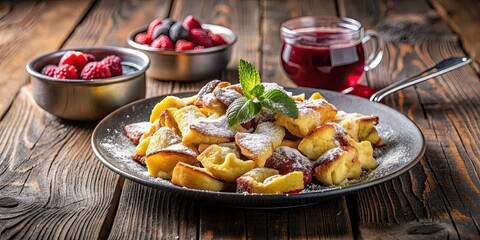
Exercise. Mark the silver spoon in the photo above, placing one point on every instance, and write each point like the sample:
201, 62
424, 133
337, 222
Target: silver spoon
440, 68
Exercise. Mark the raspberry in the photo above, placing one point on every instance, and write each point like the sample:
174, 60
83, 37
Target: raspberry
183, 45
66, 71
95, 70
90, 57
217, 39
114, 64
143, 38
191, 22
200, 37
74, 58
153, 25
163, 42
49, 70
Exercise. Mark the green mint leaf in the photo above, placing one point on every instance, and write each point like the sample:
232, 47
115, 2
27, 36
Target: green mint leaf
280, 102
242, 110
258, 90
248, 77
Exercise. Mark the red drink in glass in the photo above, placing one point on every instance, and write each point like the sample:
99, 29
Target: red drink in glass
324, 52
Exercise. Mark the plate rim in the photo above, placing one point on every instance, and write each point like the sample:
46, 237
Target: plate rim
320, 195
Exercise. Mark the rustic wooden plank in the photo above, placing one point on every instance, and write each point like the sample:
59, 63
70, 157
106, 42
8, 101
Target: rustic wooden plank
42, 26
52, 185
245, 21
438, 198
146, 213
5, 8
327, 220
221, 222
462, 17
38, 199
44, 177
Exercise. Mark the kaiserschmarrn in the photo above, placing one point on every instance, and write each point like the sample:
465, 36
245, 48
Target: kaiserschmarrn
188, 141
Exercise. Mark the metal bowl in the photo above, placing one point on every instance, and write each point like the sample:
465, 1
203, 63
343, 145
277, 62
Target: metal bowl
86, 100
187, 65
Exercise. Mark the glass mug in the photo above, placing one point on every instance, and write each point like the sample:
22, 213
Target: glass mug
327, 52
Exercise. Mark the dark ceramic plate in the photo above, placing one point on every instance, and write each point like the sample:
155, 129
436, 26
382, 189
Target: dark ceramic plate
404, 148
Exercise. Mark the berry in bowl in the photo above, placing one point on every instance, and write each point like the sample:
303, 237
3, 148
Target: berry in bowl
79, 65
184, 50
86, 84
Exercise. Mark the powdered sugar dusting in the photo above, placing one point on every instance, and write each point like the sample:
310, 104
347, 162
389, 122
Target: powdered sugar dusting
330, 155
169, 137
213, 127
269, 129
180, 148
208, 99
315, 103
254, 143
390, 158
118, 149
264, 137
309, 107
226, 95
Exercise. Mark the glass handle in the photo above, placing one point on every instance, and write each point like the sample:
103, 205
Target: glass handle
378, 46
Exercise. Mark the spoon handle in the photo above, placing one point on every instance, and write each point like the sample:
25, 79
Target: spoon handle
440, 68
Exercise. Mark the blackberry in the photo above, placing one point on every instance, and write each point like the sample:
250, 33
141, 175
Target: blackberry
163, 28
177, 32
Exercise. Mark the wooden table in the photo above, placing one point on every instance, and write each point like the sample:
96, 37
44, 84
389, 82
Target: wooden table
53, 187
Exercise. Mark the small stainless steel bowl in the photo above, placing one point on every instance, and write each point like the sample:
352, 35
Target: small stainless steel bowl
187, 65
86, 100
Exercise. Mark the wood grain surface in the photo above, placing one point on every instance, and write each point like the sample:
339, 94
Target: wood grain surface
434, 199
53, 187
462, 17
42, 21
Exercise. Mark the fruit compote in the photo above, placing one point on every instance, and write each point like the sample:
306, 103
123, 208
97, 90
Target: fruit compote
323, 58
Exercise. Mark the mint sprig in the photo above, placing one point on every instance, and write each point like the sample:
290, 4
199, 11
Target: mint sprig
280, 102
242, 110
246, 108
248, 77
